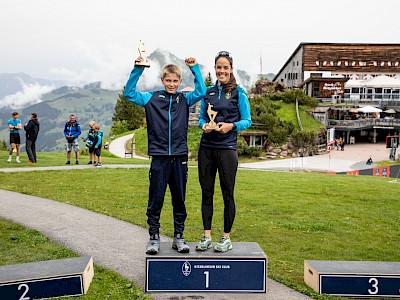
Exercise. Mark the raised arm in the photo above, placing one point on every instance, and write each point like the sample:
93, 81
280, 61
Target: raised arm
199, 86
130, 92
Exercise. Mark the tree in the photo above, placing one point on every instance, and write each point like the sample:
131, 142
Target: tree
119, 127
129, 112
208, 81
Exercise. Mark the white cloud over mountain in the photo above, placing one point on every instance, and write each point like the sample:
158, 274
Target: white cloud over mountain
30, 94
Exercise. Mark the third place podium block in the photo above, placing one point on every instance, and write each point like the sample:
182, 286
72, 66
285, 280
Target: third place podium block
242, 269
359, 279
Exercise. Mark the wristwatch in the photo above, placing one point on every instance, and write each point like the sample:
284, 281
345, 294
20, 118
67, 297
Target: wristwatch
234, 126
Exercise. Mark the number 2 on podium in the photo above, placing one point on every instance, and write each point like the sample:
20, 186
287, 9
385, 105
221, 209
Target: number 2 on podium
26, 287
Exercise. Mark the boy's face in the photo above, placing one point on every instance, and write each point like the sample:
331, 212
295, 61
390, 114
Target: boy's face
171, 82
15, 117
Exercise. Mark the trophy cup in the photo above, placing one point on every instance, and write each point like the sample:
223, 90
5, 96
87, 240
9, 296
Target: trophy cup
143, 54
211, 114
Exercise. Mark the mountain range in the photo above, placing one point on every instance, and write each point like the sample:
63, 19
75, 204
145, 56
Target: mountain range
54, 101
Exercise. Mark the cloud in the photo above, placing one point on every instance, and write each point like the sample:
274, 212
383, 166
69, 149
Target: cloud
30, 94
109, 64
151, 76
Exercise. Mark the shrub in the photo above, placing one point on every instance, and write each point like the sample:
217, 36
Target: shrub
245, 150
3, 145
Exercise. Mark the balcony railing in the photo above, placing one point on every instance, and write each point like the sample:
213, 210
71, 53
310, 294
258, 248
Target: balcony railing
364, 123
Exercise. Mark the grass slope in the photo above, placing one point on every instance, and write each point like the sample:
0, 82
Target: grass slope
287, 112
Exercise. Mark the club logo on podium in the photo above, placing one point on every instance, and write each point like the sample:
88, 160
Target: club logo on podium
186, 268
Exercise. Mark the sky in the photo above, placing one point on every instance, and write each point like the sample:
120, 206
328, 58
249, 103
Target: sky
84, 41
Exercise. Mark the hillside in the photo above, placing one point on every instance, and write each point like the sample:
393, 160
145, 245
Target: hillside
87, 103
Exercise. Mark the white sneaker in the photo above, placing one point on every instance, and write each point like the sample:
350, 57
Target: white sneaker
17, 160
9, 160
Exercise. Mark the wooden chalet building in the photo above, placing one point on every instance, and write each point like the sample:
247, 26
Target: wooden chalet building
349, 73
322, 69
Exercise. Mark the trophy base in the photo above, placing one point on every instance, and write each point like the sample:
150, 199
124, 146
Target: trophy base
143, 64
212, 126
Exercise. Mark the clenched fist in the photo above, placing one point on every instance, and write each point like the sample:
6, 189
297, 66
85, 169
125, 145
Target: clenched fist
190, 61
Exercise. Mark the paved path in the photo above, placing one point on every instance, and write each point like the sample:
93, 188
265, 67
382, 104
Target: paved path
117, 146
114, 244
354, 157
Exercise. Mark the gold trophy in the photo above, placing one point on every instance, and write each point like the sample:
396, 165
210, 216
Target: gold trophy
211, 114
143, 54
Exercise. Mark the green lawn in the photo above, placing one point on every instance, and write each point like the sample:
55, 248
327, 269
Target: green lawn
293, 216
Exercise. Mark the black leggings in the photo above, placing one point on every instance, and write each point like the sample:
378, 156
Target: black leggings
224, 161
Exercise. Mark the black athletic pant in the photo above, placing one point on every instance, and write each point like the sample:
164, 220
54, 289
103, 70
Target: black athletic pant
172, 171
225, 162
31, 150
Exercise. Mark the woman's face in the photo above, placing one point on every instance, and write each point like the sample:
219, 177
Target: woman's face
223, 70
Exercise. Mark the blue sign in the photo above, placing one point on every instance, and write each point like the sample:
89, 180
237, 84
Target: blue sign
43, 288
206, 275
360, 285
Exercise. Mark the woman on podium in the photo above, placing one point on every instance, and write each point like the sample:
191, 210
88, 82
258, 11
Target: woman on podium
218, 146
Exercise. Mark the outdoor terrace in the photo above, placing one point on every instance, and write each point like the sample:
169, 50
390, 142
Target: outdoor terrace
365, 123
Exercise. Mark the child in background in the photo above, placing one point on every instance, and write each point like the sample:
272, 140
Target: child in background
89, 140
98, 138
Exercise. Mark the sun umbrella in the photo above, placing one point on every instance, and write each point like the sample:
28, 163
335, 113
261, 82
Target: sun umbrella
369, 109
390, 111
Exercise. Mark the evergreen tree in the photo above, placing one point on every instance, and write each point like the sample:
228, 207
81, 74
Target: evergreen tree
129, 112
208, 81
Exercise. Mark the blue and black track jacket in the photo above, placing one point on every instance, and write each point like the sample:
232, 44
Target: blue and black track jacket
90, 135
72, 129
231, 107
167, 115
98, 138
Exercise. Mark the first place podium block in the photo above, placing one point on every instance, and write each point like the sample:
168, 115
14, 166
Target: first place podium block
353, 278
46, 279
242, 269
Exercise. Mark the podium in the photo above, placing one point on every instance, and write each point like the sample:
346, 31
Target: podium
242, 269
46, 279
353, 278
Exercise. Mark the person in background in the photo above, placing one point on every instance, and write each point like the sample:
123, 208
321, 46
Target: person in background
218, 147
98, 138
89, 140
32, 131
72, 130
167, 116
14, 125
